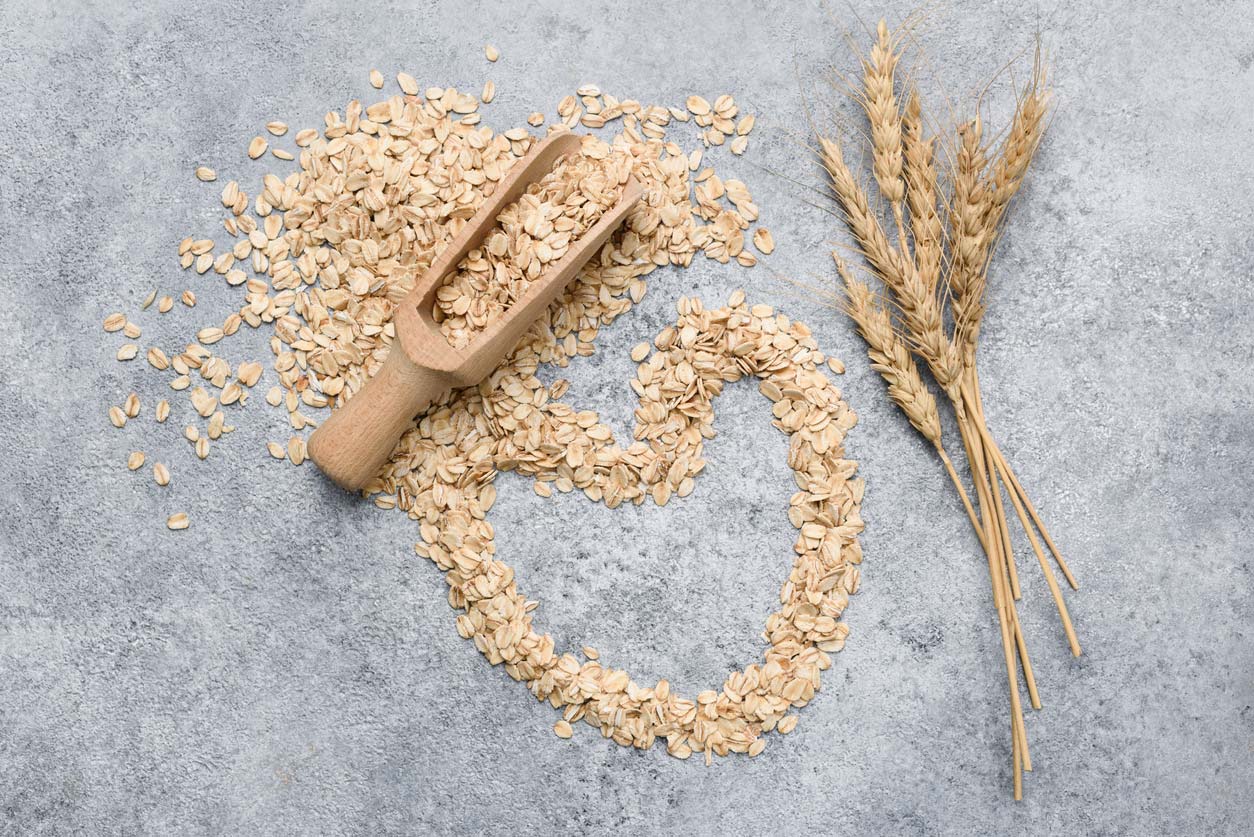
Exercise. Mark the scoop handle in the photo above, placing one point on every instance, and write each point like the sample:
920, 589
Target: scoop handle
358, 437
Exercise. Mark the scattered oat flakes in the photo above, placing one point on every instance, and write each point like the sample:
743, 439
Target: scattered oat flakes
836, 365
163, 411
282, 154
128, 351
562, 729
257, 147
249, 373
210, 335
376, 79
135, 461
697, 106
276, 450
203, 402
764, 241
114, 322
178, 521
491, 53
206, 174
277, 128
117, 417
407, 83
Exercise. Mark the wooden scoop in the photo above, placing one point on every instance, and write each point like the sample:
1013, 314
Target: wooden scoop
356, 440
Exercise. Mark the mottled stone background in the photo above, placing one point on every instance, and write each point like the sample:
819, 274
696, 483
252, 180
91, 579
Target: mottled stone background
288, 666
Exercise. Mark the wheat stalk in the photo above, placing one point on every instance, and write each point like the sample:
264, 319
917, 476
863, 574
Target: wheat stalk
910, 318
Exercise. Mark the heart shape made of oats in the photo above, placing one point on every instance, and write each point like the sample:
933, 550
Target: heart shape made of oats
444, 474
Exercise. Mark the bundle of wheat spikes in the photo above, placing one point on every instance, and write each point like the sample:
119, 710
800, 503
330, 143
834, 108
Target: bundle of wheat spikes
933, 298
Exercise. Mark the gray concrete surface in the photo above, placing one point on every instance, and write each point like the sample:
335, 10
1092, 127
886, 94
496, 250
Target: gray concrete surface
288, 666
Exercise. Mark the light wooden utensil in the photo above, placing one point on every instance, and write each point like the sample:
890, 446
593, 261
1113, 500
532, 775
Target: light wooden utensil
356, 440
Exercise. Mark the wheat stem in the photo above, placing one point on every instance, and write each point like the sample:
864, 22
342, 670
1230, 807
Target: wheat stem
999, 511
975, 412
962, 492
1018, 731
1036, 518
1000, 471
1046, 569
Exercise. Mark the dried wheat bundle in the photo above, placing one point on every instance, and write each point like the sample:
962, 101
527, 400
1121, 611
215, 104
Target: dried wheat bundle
930, 250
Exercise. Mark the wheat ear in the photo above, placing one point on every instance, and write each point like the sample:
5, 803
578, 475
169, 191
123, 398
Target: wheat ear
981, 199
891, 357
1016, 152
919, 306
866, 228
968, 236
879, 100
921, 191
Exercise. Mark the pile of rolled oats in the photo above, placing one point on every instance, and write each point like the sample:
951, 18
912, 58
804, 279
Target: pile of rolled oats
335, 245
530, 234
